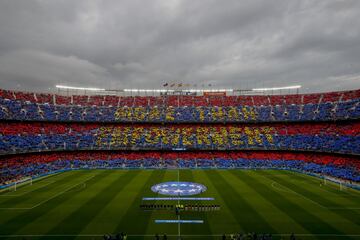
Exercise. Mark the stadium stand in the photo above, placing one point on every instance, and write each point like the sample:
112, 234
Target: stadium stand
341, 137
41, 133
18, 166
306, 107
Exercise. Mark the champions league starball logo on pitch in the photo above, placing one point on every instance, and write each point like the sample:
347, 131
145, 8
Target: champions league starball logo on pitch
178, 188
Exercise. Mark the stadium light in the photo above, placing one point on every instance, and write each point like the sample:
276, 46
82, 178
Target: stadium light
180, 90
79, 88
277, 88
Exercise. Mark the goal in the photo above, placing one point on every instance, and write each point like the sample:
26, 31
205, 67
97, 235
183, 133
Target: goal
22, 182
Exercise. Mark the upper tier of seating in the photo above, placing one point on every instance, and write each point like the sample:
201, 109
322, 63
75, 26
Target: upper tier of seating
300, 107
178, 101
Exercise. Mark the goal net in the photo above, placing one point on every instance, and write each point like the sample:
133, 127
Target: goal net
21, 183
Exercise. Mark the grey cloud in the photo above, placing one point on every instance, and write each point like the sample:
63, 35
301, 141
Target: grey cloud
31, 69
137, 43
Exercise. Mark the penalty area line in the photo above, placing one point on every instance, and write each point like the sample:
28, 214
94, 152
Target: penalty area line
58, 194
294, 192
52, 197
288, 190
26, 192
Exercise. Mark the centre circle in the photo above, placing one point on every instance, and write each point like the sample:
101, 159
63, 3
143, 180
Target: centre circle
178, 188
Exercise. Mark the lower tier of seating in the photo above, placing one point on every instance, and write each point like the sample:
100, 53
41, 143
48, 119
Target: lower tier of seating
16, 167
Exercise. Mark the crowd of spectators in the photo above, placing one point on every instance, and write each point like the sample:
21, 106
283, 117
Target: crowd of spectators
249, 236
180, 100
24, 165
341, 137
118, 236
31, 122
206, 109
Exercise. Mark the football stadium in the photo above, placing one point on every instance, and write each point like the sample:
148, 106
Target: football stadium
107, 138
191, 166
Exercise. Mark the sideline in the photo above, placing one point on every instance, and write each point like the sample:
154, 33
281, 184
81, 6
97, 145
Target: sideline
186, 235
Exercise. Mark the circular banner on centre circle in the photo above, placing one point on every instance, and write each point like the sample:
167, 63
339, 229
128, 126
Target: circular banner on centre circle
178, 188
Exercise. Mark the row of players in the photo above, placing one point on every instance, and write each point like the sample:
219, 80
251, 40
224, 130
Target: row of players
17, 110
181, 207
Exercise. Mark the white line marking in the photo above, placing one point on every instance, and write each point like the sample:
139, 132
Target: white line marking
189, 235
25, 192
299, 194
178, 179
329, 184
53, 175
46, 200
292, 191
344, 208
279, 189
58, 194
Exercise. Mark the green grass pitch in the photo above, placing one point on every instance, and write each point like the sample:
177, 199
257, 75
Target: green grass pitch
86, 204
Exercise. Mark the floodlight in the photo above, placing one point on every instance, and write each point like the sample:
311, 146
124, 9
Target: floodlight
79, 88
277, 88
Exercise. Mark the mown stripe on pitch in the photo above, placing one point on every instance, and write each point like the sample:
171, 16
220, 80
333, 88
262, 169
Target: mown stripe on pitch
333, 189
152, 227
230, 225
299, 214
325, 226
75, 222
107, 219
22, 190
270, 211
74, 201
18, 222
350, 215
7, 215
188, 175
46, 222
13, 201
247, 217
130, 222
346, 196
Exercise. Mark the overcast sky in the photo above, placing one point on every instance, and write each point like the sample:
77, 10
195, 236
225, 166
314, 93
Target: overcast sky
143, 44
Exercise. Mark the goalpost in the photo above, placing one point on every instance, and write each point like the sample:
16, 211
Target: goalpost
342, 186
22, 182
